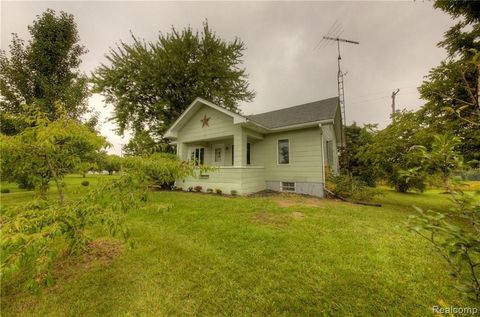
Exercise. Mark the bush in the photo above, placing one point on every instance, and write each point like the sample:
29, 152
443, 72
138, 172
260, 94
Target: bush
197, 188
233, 192
218, 191
161, 169
85, 183
190, 189
349, 187
5, 190
209, 190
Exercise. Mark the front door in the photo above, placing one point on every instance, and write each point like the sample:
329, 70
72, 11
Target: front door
218, 152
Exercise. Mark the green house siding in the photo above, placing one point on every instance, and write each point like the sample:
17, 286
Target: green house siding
219, 125
305, 156
244, 180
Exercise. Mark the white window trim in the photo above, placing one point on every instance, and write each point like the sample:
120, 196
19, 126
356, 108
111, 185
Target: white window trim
194, 148
289, 153
222, 147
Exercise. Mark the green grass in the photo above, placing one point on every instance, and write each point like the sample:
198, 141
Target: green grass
210, 255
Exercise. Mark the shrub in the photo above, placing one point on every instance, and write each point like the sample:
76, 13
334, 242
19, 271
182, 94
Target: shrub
349, 187
197, 188
85, 183
161, 169
218, 191
233, 192
5, 190
190, 189
209, 190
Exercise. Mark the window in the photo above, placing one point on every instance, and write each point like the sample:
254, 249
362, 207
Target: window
329, 150
248, 153
218, 154
283, 152
288, 186
197, 155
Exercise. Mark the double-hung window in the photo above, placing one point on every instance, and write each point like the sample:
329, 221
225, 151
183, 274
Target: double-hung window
283, 151
197, 155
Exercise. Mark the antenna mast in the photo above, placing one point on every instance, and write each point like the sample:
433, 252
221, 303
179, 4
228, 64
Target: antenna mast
341, 88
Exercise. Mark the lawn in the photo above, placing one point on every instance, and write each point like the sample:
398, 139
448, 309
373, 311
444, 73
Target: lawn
198, 254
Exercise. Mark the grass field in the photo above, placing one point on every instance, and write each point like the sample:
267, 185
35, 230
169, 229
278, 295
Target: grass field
282, 255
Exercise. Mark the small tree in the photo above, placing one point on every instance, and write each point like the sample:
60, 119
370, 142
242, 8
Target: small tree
47, 149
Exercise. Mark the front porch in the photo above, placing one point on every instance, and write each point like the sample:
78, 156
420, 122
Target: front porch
237, 168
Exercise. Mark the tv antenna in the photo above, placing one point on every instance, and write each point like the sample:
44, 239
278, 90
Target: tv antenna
340, 75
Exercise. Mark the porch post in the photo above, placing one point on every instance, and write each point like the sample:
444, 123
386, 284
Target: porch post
240, 147
182, 151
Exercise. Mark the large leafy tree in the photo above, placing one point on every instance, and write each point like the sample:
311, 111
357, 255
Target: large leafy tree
452, 88
388, 152
43, 71
151, 83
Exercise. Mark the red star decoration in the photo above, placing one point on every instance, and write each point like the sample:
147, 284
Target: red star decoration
205, 121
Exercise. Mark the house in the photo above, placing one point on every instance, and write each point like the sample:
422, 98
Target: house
284, 150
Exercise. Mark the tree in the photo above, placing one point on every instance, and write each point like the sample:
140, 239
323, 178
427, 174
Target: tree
452, 89
43, 71
350, 162
388, 151
47, 150
111, 163
151, 83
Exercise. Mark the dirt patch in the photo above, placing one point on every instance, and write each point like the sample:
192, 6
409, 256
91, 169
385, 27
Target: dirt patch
289, 200
270, 219
98, 252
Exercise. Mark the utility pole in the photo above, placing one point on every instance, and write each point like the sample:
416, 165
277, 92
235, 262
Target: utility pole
394, 93
341, 87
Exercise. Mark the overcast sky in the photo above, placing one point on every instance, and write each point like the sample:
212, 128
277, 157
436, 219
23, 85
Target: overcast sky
286, 65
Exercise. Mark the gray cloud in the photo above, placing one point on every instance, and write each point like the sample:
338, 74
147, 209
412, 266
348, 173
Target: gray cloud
397, 46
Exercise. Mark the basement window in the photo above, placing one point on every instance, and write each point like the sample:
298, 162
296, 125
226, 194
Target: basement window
288, 187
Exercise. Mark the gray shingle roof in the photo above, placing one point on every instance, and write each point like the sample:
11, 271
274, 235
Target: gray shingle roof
310, 112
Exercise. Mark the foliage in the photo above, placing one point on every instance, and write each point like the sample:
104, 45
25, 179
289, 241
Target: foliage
350, 187
47, 150
458, 244
197, 188
85, 183
443, 158
349, 160
218, 191
151, 83
233, 192
111, 163
452, 88
36, 233
209, 190
190, 189
5, 190
388, 152
43, 72
143, 144
162, 169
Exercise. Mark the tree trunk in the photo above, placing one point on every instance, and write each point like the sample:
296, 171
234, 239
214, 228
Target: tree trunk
55, 177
